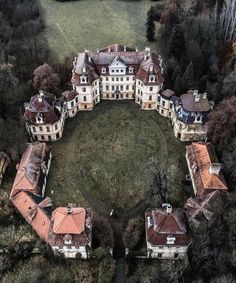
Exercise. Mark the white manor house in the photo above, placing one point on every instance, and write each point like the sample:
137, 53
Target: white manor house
117, 72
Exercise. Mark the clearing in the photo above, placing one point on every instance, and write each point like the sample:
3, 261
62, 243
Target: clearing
90, 24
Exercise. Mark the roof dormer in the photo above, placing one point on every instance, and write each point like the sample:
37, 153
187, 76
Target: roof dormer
151, 78
39, 118
83, 79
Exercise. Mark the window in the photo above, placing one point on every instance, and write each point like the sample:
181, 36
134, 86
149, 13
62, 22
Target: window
159, 255
127, 95
133, 78
138, 91
73, 112
121, 79
150, 97
107, 87
57, 136
113, 79
72, 104
49, 137
42, 138
131, 70
83, 79
117, 79
112, 87
112, 71
176, 255
149, 106
48, 129
107, 79
127, 87
121, 87
34, 129
127, 78
56, 127
76, 99
84, 89
163, 103
152, 78
85, 98
103, 70
85, 106
151, 88
41, 129
117, 71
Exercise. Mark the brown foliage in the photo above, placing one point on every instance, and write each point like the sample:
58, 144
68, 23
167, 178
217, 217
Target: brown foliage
222, 124
46, 79
133, 232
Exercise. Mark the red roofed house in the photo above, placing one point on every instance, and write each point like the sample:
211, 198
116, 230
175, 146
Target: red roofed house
166, 233
44, 117
204, 168
33, 170
28, 189
71, 231
35, 210
117, 72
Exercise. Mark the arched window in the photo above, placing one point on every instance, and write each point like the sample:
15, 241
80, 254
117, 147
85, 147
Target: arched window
152, 78
103, 70
131, 70
83, 79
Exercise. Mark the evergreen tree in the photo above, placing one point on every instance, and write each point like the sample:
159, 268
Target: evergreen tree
177, 43
150, 25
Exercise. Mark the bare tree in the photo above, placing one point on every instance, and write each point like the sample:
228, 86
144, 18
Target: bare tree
227, 22
188, 5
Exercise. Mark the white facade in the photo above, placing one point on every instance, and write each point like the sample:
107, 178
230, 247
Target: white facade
71, 251
166, 252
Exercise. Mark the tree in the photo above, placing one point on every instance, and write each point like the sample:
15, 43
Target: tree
150, 25
188, 77
222, 123
227, 22
188, 6
46, 79
159, 181
133, 232
177, 43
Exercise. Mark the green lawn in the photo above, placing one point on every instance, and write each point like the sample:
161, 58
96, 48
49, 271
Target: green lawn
90, 24
101, 159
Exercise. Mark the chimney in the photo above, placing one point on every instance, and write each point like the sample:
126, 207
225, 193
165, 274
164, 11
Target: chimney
97, 50
69, 210
136, 49
109, 49
215, 168
204, 95
124, 48
84, 69
168, 208
89, 58
151, 68
40, 95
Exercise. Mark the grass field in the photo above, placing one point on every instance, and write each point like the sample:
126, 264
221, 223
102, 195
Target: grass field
101, 159
90, 24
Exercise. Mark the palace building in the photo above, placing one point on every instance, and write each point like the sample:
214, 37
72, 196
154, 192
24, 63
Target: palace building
117, 72
44, 117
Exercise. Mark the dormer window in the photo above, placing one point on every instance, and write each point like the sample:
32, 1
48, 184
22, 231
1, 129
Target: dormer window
39, 118
131, 70
152, 79
103, 70
68, 239
170, 240
83, 79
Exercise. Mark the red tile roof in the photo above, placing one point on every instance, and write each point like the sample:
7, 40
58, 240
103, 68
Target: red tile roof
160, 225
200, 156
68, 220
30, 173
44, 104
92, 62
76, 226
33, 213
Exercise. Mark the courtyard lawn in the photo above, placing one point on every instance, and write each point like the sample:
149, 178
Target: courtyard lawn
90, 24
101, 159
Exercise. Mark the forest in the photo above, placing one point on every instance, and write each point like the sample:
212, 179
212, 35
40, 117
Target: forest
197, 42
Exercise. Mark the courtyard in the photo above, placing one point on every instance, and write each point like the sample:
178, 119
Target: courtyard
102, 158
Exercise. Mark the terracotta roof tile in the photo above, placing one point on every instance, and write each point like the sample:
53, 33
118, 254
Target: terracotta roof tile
165, 224
200, 156
33, 213
30, 173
